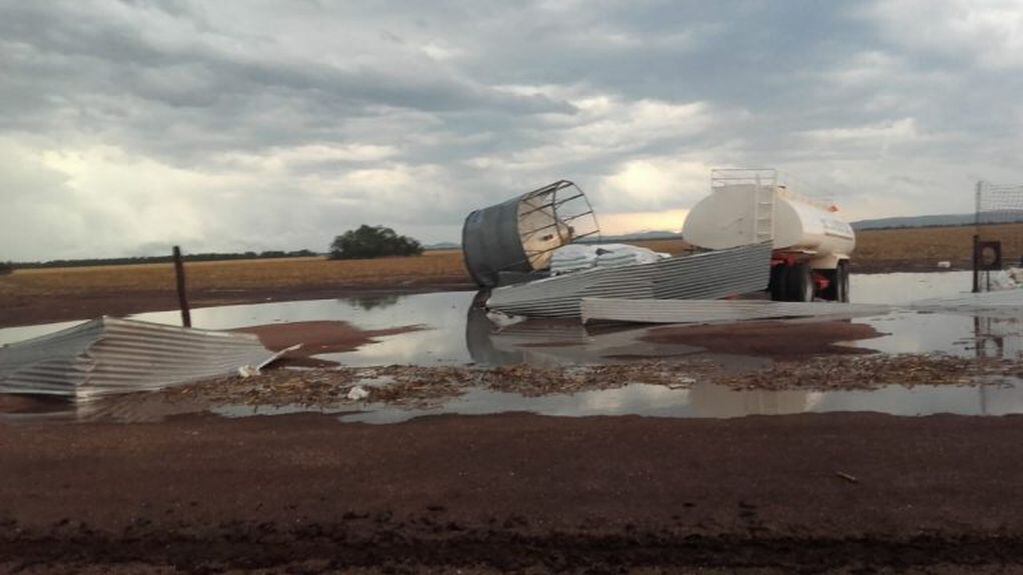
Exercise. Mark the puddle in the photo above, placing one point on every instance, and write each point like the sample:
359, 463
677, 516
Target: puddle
903, 288
981, 334
698, 401
456, 333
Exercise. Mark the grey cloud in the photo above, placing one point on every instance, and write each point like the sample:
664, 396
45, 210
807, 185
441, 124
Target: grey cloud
473, 102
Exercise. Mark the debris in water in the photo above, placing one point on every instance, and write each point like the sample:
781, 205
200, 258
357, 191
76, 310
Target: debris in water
416, 387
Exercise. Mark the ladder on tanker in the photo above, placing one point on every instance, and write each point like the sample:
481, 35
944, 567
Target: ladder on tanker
763, 210
764, 183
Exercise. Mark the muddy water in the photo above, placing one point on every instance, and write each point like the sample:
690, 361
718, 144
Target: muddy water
983, 334
456, 333
699, 400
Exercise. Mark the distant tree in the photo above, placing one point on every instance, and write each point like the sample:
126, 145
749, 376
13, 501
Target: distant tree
6, 268
372, 242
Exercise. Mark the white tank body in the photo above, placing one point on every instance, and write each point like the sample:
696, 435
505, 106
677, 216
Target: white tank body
729, 217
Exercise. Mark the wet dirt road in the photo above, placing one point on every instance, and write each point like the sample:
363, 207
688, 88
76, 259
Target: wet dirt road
515, 491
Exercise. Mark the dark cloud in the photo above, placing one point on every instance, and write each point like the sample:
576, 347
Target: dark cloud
230, 125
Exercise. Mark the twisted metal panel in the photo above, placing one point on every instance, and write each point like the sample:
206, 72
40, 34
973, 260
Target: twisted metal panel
109, 355
706, 275
713, 311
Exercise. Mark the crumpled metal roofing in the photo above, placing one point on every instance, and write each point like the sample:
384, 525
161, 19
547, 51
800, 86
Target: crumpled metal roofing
707, 275
109, 355
711, 311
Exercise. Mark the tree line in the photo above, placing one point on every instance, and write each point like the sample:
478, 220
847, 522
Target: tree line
203, 257
364, 242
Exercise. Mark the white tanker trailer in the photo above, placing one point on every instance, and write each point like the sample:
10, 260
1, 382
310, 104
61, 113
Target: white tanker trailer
811, 242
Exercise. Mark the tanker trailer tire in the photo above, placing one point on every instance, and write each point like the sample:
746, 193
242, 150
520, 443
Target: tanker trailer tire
779, 282
800, 282
842, 282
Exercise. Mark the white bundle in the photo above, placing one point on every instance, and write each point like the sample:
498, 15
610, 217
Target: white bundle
572, 258
1002, 280
625, 255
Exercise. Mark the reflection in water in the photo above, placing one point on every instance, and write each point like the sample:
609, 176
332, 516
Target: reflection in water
369, 302
701, 400
715, 401
555, 343
998, 337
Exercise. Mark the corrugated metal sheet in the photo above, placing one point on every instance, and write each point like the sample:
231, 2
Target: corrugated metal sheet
706, 275
109, 355
712, 311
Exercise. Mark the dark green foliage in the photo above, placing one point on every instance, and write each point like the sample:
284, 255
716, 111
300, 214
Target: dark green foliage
372, 242
6, 268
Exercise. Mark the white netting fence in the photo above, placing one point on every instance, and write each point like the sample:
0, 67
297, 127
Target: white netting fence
999, 203
998, 232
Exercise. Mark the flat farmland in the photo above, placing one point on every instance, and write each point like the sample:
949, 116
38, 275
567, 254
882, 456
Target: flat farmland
56, 294
43, 295
919, 249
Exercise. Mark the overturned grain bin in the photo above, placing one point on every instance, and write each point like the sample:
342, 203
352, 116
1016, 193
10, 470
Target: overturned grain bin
519, 235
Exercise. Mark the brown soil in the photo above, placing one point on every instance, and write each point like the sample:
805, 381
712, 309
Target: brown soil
778, 340
809, 493
317, 337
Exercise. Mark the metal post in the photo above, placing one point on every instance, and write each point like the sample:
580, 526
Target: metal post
976, 263
976, 237
179, 273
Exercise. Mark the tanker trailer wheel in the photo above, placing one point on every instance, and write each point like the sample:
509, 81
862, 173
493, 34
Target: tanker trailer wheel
800, 282
842, 282
779, 282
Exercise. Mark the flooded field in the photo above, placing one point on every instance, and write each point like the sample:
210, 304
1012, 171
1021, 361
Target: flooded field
452, 332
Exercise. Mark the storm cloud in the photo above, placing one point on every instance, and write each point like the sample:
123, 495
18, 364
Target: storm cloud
128, 126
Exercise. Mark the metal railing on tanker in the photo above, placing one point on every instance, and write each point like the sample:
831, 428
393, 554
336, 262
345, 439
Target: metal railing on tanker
998, 231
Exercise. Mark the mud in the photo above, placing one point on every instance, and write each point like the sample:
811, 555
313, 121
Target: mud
412, 387
775, 339
317, 337
845, 492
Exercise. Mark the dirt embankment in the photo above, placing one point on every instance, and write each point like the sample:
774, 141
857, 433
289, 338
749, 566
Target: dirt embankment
771, 494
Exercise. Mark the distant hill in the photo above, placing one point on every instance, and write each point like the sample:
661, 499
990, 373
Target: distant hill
636, 237
443, 246
1006, 217
914, 222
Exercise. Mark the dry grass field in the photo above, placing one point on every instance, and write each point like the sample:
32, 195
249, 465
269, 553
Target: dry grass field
33, 296
916, 249
439, 267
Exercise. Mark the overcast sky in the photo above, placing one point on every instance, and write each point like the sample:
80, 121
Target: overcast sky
221, 125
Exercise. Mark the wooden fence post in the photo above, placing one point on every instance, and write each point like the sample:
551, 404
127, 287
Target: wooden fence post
179, 273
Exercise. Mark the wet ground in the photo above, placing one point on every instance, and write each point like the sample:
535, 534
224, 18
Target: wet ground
776, 447
844, 493
445, 330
